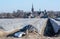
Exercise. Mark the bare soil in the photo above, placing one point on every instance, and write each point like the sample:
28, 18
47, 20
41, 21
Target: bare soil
31, 36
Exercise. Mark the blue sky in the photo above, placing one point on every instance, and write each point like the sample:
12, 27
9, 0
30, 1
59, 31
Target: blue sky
13, 5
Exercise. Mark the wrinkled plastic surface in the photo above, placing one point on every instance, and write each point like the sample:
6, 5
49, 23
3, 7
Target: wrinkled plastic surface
19, 34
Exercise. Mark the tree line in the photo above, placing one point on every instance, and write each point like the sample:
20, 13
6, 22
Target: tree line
22, 14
